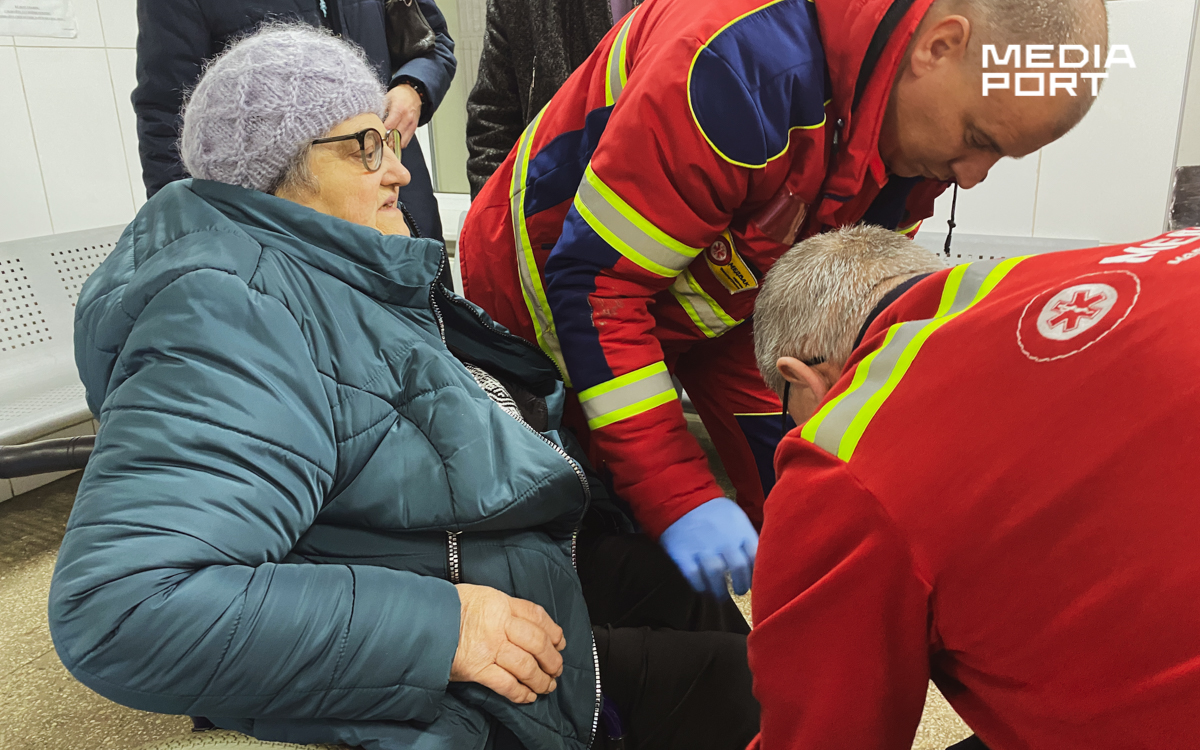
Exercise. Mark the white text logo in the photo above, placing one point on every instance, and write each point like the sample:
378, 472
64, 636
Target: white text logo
1040, 57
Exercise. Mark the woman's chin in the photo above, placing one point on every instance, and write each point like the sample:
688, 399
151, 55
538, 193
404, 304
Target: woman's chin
390, 220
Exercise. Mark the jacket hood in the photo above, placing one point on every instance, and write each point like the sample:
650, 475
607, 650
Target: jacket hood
200, 224
848, 32
323, 240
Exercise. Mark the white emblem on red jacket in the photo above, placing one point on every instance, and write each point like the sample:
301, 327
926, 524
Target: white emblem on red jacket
719, 252
1074, 310
1073, 315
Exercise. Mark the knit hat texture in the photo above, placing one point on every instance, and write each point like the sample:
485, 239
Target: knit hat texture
262, 100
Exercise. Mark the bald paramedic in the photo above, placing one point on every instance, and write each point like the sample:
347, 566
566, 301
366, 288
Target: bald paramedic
629, 230
996, 489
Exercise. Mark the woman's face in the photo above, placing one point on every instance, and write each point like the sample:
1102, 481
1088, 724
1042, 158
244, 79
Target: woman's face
346, 189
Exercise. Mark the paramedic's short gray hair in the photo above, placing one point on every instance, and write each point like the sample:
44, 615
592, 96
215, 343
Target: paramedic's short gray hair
819, 293
1004, 22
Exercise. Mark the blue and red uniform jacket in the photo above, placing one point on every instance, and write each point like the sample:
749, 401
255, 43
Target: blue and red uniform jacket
630, 228
999, 493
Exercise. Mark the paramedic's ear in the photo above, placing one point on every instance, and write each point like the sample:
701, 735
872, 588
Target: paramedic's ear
810, 383
801, 375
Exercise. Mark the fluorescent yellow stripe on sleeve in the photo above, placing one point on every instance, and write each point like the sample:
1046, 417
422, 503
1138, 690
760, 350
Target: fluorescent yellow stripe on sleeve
531, 280
840, 424
705, 312
627, 395
628, 232
617, 74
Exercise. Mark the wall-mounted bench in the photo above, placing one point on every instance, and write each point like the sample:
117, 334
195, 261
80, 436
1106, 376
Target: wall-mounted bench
40, 393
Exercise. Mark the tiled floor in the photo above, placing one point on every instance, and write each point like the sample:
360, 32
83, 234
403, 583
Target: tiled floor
43, 707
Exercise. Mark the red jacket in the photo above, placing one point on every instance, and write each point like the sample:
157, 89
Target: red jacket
640, 210
1001, 492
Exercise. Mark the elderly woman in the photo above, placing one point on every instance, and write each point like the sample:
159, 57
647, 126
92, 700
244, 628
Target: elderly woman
328, 500
176, 38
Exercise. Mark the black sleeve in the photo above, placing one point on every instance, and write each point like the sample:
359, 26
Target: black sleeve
494, 117
435, 70
173, 41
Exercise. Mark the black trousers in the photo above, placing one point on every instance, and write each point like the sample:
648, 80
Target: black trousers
672, 661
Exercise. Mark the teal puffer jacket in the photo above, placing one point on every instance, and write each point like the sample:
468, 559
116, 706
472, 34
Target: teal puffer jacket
290, 471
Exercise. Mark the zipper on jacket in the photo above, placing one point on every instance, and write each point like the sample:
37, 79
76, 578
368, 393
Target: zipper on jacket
437, 314
587, 494
453, 558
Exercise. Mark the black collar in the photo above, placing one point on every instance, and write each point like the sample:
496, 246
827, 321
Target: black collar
887, 300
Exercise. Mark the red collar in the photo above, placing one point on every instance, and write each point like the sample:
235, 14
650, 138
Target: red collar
846, 31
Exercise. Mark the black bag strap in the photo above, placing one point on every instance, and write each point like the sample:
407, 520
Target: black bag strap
891, 19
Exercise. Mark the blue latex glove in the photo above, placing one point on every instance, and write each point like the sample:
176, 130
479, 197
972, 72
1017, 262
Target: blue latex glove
711, 539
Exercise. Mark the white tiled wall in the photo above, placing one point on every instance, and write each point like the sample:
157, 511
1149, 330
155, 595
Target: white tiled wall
22, 194
1189, 131
1108, 180
69, 145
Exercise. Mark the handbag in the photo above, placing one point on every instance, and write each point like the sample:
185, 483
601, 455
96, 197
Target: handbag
408, 33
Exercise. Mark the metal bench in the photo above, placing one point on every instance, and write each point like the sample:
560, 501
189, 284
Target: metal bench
40, 393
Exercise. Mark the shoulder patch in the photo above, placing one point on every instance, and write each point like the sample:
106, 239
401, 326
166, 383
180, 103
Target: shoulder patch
757, 79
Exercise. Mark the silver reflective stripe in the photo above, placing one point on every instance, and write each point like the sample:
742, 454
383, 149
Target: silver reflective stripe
838, 426
972, 284
626, 396
531, 281
616, 63
837, 422
701, 308
624, 235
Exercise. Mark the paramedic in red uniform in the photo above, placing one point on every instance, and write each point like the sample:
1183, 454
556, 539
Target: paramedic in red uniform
629, 230
998, 490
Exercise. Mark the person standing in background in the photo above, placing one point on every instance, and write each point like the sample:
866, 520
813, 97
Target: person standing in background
177, 37
530, 49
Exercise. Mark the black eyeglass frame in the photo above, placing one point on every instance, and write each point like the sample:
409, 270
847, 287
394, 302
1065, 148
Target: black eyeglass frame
787, 391
376, 155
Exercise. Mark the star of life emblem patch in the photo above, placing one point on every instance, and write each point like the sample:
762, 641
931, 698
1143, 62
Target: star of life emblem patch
729, 268
718, 252
1074, 310
1073, 315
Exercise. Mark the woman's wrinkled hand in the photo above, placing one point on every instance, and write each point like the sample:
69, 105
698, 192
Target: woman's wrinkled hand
402, 111
506, 644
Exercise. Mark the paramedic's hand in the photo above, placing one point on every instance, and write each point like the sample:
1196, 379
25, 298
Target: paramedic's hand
711, 539
402, 111
506, 644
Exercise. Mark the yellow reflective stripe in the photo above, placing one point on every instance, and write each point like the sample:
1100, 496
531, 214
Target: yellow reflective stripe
531, 280
840, 424
628, 395
809, 432
910, 227
627, 231
618, 76
705, 312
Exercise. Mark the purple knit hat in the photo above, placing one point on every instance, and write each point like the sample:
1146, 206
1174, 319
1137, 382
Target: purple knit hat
263, 99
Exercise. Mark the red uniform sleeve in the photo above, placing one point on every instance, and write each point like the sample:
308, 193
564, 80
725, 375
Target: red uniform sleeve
654, 194
840, 649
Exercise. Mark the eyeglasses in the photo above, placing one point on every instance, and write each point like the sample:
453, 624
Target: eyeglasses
370, 144
787, 390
